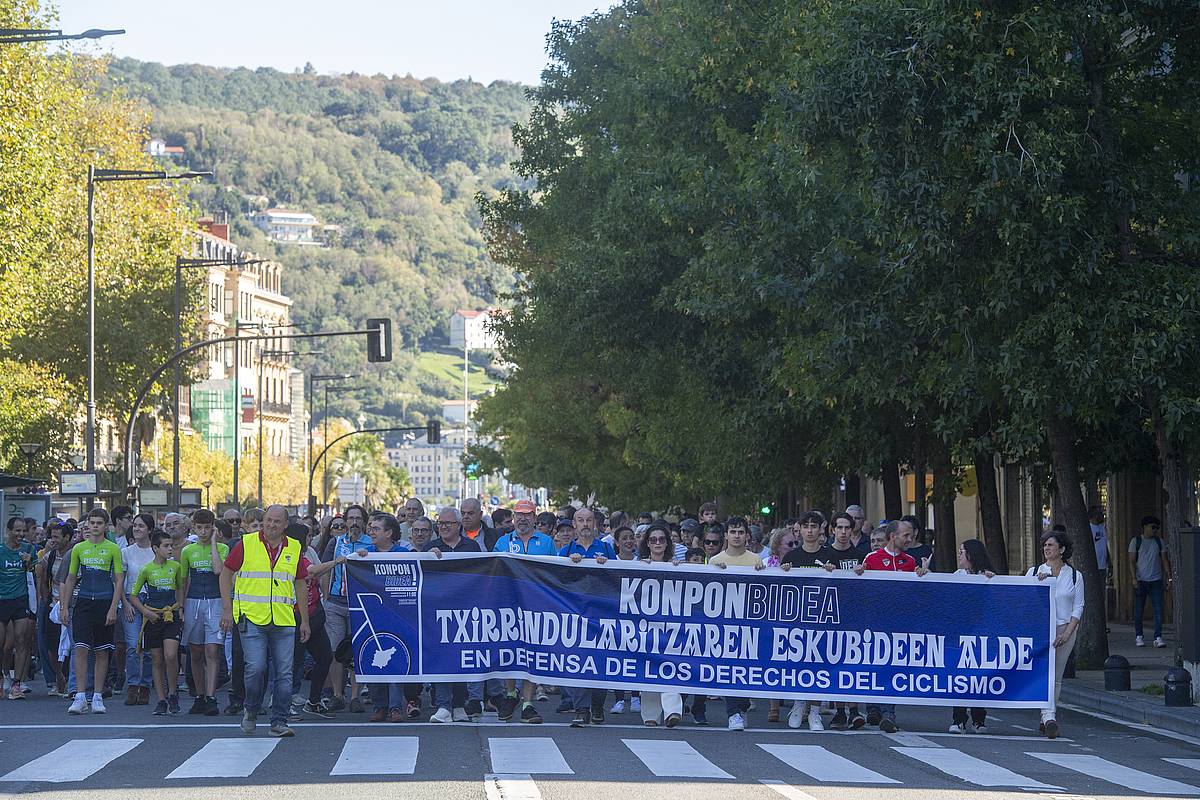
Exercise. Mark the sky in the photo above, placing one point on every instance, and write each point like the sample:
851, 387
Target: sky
485, 40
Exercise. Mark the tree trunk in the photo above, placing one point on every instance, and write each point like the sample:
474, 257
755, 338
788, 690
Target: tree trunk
920, 494
853, 490
945, 544
1092, 645
1175, 482
989, 507
893, 508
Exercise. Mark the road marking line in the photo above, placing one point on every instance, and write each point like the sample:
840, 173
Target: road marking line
912, 740
790, 792
74, 761
1190, 763
225, 758
1130, 778
674, 759
822, 765
1137, 726
510, 787
958, 764
536, 755
377, 755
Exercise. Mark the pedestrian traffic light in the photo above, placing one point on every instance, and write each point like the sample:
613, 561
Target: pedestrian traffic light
766, 509
433, 432
473, 470
379, 340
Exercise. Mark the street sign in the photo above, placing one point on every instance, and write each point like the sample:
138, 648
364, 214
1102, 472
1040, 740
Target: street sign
352, 489
78, 484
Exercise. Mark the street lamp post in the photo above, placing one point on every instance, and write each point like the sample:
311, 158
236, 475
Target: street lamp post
207, 484
262, 356
180, 265
95, 176
30, 449
26, 35
312, 385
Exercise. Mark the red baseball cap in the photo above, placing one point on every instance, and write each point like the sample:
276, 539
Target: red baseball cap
524, 507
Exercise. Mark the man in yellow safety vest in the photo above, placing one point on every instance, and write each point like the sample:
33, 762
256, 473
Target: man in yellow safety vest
262, 579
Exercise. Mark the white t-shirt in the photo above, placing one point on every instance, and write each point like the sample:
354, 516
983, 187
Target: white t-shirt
1068, 592
134, 558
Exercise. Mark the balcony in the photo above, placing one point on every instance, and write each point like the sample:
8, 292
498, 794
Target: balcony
276, 409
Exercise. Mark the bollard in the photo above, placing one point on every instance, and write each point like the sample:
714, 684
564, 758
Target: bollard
1177, 687
1116, 674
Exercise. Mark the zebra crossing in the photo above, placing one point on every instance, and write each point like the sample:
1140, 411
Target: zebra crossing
512, 765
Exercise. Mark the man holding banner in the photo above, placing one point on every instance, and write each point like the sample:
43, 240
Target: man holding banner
588, 703
448, 696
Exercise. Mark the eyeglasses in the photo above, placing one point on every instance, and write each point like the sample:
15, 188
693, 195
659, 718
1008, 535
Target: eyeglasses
657, 540
422, 530
446, 523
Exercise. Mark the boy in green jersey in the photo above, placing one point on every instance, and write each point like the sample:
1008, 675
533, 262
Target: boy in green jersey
95, 572
202, 563
161, 605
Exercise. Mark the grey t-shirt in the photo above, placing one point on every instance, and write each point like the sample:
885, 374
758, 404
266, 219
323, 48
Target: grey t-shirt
1149, 557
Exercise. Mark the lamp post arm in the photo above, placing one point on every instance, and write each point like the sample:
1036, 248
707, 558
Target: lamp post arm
313, 470
162, 368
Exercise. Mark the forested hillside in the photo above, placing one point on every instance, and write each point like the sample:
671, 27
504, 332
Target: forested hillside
394, 162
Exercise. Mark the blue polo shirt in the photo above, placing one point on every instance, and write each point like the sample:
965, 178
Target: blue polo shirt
539, 544
398, 547
599, 547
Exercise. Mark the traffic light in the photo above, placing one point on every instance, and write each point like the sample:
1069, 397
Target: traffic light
766, 509
433, 432
379, 340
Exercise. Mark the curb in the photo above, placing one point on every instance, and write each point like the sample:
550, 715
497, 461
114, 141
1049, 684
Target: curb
1130, 707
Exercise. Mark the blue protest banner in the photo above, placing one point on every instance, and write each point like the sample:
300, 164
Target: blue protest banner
886, 637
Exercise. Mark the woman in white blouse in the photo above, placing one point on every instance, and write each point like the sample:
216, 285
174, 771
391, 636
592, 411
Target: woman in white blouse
1068, 611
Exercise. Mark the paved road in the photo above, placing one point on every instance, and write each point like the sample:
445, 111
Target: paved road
132, 755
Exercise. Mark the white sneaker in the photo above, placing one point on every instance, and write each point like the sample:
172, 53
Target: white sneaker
796, 717
98, 705
980, 729
814, 719
737, 722
79, 705
460, 715
617, 707
1158, 642
442, 715
635, 704
1139, 642
958, 728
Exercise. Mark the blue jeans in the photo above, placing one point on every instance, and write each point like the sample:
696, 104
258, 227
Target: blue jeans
585, 699
280, 643
448, 695
1155, 590
137, 670
387, 695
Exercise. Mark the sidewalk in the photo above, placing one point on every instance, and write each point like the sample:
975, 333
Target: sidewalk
1148, 667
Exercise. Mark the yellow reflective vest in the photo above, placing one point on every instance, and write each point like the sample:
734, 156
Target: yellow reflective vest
263, 594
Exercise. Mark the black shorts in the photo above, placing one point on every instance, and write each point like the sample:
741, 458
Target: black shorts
88, 624
155, 633
14, 610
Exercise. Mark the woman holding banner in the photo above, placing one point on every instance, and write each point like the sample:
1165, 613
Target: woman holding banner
972, 560
1067, 609
657, 546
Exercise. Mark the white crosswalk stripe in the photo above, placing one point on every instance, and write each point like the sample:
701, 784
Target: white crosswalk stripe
1130, 778
378, 755
1190, 763
536, 755
974, 770
822, 765
510, 787
226, 758
76, 760
674, 759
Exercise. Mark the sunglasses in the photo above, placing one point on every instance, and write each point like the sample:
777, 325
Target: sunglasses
338, 527
713, 542
789, 544
238, 520
657, 540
